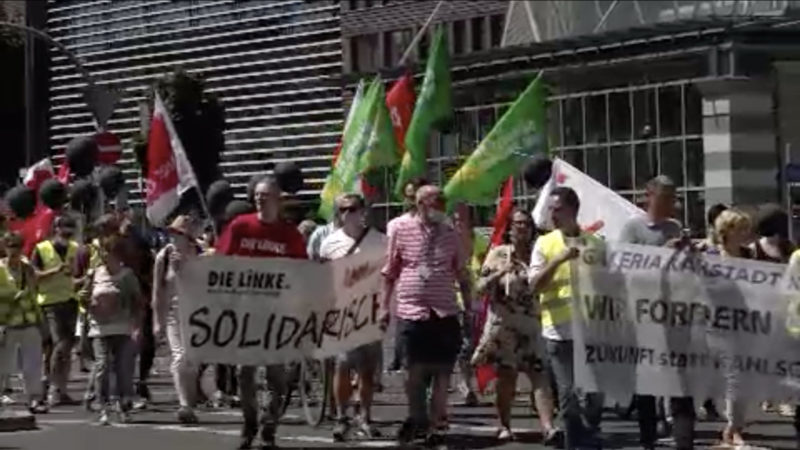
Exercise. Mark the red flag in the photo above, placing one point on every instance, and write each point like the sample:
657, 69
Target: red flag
485, 374
35, 228
38, 173
169, 173
63, 172
503, 212
400, 102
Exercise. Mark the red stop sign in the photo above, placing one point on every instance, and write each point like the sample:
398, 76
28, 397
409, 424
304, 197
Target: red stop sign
109, 146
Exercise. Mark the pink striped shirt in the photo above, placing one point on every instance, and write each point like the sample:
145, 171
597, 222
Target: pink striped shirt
435, 249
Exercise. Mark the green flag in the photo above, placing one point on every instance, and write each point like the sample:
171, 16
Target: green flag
368, 144
434, 109
520, 133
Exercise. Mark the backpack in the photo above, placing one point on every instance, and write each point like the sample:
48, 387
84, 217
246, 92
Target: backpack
105, 302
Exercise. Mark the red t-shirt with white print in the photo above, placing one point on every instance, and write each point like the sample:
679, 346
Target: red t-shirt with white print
248, 236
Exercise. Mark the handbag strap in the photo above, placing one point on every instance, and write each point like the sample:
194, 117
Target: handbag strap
357, 242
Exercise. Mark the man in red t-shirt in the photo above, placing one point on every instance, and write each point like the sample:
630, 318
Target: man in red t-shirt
262, 235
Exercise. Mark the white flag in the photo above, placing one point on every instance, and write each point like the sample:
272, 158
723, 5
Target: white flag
602, 211
169, 173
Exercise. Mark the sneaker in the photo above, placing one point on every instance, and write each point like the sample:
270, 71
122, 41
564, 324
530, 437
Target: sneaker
103, 419
408, 432
88, 401
267, 436
504, 434
124, 417
471, 400
553, 438
140, 405
367, 430
186, 416
38, 407
6, 400
786, 410
143, 391
436, 440
340, 429
57, 398
248, 434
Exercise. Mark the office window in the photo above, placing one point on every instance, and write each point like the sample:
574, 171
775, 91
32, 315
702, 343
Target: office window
496, 23
477, 34
459, 37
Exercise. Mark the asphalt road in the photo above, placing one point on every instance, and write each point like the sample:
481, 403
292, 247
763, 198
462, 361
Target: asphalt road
72, 428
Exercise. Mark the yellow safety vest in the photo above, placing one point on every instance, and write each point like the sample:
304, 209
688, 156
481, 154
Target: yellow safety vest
94, 254
57, 288
556, 297
14, 311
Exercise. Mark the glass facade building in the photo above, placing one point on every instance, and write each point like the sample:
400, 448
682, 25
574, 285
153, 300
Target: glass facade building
703, 91
275, 66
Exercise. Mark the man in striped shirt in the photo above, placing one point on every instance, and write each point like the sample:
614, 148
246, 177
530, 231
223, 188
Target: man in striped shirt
424, 261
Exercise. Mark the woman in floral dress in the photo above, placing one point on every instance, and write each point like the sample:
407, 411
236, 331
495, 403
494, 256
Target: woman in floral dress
510, 335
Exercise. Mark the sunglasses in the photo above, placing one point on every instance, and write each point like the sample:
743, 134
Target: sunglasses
350, 209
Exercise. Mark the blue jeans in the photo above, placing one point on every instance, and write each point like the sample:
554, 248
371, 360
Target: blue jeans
580, 423
114, 355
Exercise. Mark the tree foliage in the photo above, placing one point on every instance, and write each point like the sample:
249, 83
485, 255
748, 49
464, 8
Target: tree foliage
12, 102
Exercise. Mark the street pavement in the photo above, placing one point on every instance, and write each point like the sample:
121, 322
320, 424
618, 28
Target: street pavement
72, 428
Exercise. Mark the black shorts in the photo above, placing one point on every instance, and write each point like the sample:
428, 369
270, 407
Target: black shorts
436, 341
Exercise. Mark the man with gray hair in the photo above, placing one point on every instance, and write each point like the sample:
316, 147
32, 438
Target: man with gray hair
424, 261
659, 228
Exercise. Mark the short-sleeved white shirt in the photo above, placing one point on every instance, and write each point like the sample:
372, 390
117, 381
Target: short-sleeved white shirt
337, 244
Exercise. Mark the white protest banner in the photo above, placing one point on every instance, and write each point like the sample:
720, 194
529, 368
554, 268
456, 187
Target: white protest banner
253, 311
652, 320
603, 211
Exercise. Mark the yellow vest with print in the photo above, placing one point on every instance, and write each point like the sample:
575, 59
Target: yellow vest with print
57, 288
556, 297
16, 311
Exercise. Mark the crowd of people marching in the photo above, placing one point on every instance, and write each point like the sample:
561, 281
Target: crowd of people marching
112, 297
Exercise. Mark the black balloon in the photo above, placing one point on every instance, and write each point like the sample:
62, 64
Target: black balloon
53, 193
22, 201
82, 195
289, 176
218, 196
111, 180
537, 171
82, 155
237, 208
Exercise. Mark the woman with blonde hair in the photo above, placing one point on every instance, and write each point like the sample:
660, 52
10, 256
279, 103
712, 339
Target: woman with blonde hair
734, 232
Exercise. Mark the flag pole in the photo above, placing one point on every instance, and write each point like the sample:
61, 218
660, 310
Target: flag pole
420, 33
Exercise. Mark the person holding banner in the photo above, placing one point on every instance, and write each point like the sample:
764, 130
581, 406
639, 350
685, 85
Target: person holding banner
354, 235
424, 262
182, 246
262, 235
550, 278
659, 228
509, 341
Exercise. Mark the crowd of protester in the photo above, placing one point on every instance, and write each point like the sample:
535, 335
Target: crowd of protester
112, 298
